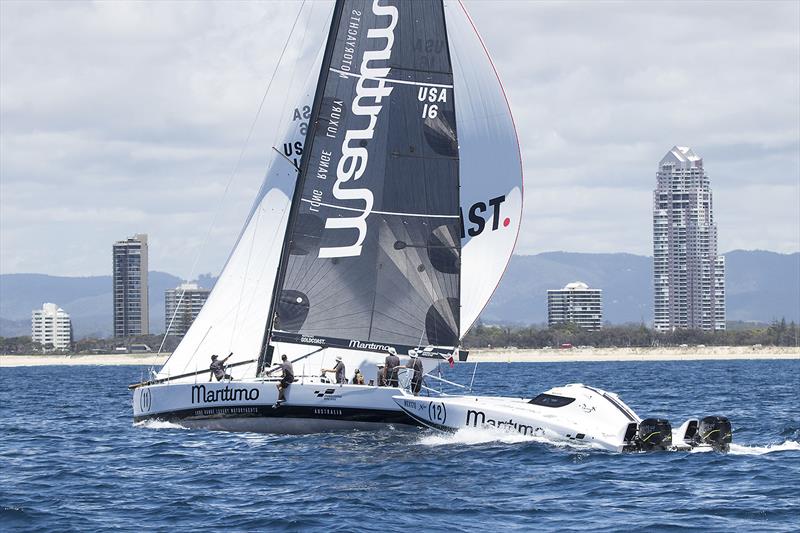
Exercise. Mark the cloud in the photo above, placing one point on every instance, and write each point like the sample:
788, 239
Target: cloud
118, 118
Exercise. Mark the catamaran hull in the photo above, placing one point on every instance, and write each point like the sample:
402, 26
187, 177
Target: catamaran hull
249, 406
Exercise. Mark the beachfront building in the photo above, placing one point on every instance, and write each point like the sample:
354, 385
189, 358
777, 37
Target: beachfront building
181, 306
688, 275
51, 327
575, 303
131, 312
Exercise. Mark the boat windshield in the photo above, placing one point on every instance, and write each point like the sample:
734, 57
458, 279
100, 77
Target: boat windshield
551, 400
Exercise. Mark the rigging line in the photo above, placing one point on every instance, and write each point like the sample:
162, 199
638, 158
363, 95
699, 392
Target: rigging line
286, 158
402, 82
236, 166
294, 69
244, 279
425, 215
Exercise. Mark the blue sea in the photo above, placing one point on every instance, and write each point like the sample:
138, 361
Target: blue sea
72, 460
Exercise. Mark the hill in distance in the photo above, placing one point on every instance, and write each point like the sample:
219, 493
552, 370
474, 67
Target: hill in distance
761, 286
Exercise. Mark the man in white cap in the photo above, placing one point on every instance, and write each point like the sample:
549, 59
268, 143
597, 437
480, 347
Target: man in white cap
392, 363
338, 369
416, 366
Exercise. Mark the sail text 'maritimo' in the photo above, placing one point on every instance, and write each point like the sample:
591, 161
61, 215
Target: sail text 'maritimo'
354, 158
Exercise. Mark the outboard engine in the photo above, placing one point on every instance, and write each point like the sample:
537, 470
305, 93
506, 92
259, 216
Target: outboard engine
654, 434
715, 431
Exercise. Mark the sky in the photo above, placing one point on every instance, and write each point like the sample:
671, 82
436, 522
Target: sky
119, 118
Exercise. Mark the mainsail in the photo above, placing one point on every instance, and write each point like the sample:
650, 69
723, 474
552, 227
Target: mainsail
372, 253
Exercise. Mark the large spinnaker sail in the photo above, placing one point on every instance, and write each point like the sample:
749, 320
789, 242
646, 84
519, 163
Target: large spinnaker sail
490, 163
373, 250
234, 317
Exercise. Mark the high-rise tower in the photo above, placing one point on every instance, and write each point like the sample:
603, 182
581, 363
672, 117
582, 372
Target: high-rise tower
181, 306
688, 275
51, 326
131, 313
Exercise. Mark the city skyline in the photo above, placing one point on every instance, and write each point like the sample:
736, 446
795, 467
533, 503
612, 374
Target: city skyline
99, 144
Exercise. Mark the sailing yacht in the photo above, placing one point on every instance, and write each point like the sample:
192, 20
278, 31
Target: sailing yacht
388, 214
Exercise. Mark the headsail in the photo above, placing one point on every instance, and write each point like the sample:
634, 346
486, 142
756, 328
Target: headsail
490, 169
373, 251
234, 317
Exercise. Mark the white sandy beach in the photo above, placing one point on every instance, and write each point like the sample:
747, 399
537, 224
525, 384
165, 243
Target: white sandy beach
545, 355
691, 353
97, 360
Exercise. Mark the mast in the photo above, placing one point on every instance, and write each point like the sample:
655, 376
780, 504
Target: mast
264, 357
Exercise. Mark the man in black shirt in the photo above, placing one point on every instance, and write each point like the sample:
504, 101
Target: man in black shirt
392, 363
416, 366
217, 368
339, 370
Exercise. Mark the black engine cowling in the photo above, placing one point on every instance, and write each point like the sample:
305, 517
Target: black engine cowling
654, 434
715, 431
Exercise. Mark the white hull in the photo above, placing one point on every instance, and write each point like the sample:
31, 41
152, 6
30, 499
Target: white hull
575, 413
587, 416
247, 405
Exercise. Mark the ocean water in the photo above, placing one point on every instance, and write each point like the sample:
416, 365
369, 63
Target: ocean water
72, 460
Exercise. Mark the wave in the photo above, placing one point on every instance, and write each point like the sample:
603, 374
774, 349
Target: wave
486, 435
158, 424
785, 446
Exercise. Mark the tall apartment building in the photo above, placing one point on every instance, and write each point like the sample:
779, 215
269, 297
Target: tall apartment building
688, 275
51, 325
181, 306
131, 311
575, 303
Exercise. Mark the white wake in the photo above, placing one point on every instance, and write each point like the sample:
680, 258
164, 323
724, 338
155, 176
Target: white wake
158, 424
485, 435
785, 446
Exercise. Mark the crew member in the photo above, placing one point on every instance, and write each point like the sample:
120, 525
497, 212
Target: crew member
217, 368
392, 364
358, 377
286, 380
338, 369
415, 364
381, 380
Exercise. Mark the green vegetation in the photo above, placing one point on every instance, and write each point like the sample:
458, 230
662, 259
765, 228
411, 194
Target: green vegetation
778, 333
24, 345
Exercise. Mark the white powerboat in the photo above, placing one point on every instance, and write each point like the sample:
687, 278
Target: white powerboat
574, 413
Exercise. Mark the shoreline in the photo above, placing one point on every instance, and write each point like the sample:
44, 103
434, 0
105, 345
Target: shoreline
578, 355
9, 361
483, 355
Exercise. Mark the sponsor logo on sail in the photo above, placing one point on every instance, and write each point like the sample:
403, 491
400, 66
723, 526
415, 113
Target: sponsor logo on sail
478, 419
371, 89
477, 216
368, 345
